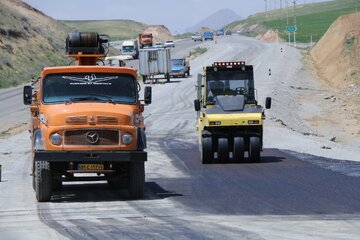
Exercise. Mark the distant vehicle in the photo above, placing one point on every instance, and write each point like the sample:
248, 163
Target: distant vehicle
228, 32
180, 67
158, 45
130, 48
220, 32
145, 40
155, 63
169, 43
208, 36
197, 37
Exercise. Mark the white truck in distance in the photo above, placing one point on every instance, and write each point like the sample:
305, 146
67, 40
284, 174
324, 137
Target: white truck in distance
130, 48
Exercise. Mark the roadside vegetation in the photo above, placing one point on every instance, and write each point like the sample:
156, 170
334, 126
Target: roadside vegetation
194, 53
312, 20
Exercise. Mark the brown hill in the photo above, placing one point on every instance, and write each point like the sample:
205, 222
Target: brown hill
29, 41
160, 33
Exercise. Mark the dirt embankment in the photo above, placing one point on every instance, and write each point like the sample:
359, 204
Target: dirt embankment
336, 61
270, 36
159, 32
337, 55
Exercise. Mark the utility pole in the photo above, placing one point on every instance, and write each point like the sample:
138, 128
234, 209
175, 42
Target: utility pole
294, 22
287, 14
265, 1
282, 12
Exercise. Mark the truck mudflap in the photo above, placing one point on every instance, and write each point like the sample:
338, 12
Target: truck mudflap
108, 156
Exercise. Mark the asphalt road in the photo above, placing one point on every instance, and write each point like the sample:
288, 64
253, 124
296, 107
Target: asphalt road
282, 197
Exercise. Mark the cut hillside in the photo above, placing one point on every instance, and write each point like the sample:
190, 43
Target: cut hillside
29, 41
337, 54
116, 29
336, 59
159, 32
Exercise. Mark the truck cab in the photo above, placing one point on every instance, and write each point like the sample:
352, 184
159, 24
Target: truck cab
208, 36
130, 48
180, 67
87, 119
230, 121
145, 40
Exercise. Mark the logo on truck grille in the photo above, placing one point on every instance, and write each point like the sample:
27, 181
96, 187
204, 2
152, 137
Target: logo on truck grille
92, 137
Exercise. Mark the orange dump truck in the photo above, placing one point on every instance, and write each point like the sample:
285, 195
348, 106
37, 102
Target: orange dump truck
87, 122
145, 40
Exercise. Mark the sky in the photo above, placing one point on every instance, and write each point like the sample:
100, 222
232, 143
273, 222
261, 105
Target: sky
176, 15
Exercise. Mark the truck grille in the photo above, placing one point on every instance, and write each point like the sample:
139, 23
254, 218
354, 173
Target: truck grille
91, 137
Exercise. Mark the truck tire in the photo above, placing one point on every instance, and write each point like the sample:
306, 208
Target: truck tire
238, 151
223, 150
43, 181
144, 79
33, 181
136, 179
207, 153
167, 77
254, 149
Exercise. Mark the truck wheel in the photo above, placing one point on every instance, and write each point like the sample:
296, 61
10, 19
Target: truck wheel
238, 152
33, 181
144, 79
223, 150
168, 77
254, 149
43, 181
207, 153
136, 179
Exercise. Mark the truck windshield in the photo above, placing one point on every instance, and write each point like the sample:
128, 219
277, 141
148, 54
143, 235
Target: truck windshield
177, 62
127, 48
229, 83
94, 87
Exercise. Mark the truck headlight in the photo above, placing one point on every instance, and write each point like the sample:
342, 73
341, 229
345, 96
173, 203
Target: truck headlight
127, 138
38, 140
56, 138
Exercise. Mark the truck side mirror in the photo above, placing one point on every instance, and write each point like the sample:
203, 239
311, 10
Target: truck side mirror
197, 105
268, 103
27, 95
147, 95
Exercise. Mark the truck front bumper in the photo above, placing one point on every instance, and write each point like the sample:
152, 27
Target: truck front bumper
108, 156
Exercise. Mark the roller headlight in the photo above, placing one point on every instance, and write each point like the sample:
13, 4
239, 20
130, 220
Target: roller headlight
127, 138
56, 139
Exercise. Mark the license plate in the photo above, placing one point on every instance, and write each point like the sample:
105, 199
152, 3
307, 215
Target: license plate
97, 167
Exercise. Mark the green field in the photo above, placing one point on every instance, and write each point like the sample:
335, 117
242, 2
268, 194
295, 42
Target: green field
116, 29
311, 19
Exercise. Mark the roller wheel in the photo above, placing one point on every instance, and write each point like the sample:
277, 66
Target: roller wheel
254, 149
43, 181
207, 153
223, 150
136, 179
238, 152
